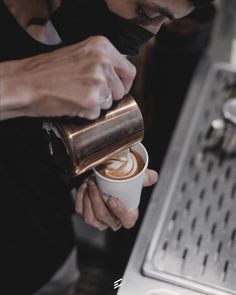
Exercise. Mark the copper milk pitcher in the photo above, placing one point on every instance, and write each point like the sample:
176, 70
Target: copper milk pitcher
77, 145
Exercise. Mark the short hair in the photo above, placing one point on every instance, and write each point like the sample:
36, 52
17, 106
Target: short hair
200, 3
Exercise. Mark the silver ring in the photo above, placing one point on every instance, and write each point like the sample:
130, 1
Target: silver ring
104, 99
106, 103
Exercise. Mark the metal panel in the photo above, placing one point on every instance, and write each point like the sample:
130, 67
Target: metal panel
194, 245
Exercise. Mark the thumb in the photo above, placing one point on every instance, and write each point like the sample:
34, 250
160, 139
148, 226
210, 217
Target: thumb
150, 177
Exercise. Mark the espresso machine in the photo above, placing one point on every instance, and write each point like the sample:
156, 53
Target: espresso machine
187, 242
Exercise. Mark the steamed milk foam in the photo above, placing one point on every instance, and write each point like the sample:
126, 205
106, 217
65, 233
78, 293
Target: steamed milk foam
125, 165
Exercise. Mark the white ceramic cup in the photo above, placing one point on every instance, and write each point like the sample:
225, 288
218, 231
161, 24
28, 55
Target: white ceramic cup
127, 190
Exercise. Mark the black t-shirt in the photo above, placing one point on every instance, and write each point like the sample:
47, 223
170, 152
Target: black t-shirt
36, 206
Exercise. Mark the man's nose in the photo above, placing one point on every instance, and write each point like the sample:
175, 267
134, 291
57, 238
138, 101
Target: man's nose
155, 27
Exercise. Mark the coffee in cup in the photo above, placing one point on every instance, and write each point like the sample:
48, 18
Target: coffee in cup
126, 164
122, 176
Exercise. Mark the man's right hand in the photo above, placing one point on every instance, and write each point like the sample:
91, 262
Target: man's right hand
71, 81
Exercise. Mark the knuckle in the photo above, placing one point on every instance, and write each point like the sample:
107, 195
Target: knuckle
101, 62
92, 40
101, 41
99, 44
97, 80
106, 66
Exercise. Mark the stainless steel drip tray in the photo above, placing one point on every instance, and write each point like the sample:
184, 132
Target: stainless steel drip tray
194, 244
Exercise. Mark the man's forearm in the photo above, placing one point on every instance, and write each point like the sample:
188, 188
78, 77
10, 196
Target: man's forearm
14, 97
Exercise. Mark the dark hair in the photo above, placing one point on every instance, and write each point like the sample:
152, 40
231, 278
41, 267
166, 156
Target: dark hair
200, 3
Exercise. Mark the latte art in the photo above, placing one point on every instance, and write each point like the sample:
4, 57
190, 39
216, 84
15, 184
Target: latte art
122, 166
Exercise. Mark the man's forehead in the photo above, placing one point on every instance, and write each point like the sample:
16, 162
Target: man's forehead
175, 8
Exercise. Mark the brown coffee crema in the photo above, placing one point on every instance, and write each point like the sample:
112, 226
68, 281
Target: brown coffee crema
121, 168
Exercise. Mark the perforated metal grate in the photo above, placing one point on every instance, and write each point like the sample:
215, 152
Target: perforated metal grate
195, 245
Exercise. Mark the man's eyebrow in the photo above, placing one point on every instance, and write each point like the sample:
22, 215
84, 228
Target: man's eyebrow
162, 10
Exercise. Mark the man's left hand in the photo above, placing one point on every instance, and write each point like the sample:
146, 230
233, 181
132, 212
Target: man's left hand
95, 212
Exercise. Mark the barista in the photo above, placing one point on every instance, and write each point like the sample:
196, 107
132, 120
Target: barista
41, 77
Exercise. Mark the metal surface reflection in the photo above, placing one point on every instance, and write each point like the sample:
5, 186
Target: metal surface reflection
78, 145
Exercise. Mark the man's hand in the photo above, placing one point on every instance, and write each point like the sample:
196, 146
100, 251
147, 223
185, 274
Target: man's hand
72, 81
113, 214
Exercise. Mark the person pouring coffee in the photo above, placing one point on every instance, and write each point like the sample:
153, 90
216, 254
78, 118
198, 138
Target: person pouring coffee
61, 58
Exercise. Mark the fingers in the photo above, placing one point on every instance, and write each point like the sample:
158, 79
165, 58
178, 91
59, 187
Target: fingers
127, 74
89, 216
115, 84
150, 177
79, 208
80, 77
84, 208
124, 69
90, 114
108, 75
91, 207
100, 210
127, 218
118, 71
96, 213
107, 102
